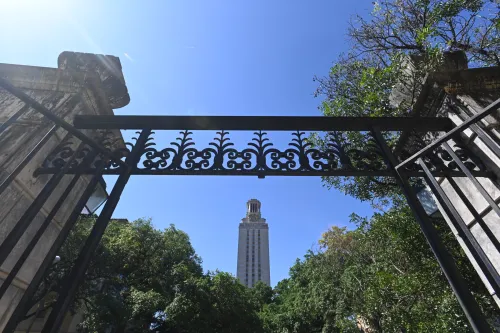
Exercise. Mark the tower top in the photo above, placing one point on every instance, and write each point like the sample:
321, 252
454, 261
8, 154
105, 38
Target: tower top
253, 211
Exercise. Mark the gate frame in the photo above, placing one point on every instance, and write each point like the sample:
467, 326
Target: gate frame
113, 163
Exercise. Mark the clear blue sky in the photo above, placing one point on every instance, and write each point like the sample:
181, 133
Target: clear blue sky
204, 57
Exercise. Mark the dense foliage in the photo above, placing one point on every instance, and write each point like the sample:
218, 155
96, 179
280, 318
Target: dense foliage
380, 276
360, 82
385, 277
146, 280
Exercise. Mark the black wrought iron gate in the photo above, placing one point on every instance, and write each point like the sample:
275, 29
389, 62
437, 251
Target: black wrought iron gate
80, 155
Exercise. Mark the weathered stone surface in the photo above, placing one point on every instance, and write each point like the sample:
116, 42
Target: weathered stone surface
452, 93
107, 67
404, 91
76, 87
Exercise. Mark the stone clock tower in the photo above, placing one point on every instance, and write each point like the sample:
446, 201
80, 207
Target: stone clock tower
253, 247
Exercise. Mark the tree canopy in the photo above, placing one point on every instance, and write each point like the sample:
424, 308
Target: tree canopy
383, 45
146, 280
381, 277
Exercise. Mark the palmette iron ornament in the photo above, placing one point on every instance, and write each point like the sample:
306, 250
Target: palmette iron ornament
259, 157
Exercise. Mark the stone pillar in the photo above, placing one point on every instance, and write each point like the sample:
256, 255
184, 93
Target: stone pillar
469, 91
82, 84
466, 93
492, 163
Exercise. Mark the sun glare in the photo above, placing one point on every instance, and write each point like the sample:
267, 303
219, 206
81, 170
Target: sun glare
36, 10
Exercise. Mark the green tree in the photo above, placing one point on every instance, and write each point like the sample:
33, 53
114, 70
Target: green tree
358, 88
360, 82
428, 28
132, 277
262, 293
216, 303
391, 281
304, 302
380, 275
146, 280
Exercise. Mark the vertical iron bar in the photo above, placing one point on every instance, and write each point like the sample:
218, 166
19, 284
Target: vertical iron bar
28, 158
24, 222
31, 245
474, 181
478, 218
464, 232
73, 280
488, 141
488, 209
445, 260
14, 117
477, 128
23, 305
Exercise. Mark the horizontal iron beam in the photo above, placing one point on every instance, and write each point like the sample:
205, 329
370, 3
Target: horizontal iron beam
339, 172
269, 123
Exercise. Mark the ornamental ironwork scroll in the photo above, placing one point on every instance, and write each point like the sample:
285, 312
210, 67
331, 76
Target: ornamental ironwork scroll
260, 157
221, 155
440, 161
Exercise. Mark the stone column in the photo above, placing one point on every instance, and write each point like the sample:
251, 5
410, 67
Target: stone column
82, 84
452, 90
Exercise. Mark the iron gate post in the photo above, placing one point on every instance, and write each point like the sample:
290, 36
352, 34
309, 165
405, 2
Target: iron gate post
467, 301
73, 280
